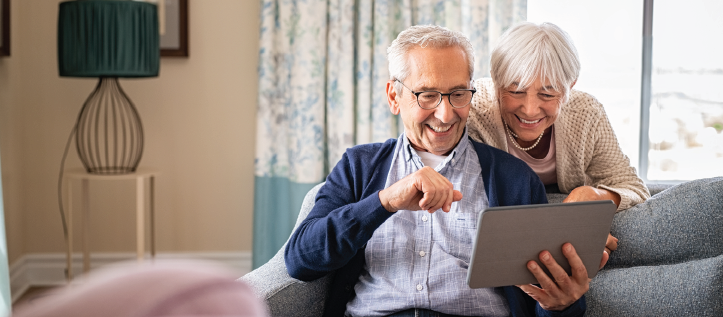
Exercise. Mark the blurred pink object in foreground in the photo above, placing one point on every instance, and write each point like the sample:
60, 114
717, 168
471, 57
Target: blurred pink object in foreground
163, 288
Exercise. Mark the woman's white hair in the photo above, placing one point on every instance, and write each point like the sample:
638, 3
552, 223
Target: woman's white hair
424, 36
528, 51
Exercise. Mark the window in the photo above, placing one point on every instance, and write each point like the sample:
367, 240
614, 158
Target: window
681, 132
686, 99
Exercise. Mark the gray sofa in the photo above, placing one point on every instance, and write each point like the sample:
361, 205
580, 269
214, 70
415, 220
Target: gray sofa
669, 260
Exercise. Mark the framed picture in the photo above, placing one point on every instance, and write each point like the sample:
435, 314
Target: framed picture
4, 27
174, 28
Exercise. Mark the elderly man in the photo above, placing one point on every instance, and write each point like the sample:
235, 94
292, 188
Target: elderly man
396, 220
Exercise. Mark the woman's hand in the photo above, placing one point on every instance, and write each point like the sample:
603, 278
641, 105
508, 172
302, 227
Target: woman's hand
589, 193
610, 245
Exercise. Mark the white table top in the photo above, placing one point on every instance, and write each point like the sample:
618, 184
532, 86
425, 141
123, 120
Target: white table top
81, 173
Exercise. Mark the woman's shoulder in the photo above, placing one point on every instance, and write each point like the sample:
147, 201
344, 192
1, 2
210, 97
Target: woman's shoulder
484, 83
485, 96
582, 108
581, 116
580, 100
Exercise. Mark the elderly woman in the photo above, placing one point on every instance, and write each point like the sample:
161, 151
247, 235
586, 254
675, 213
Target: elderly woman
529, 109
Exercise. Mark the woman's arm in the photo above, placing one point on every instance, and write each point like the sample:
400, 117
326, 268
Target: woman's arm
609, 169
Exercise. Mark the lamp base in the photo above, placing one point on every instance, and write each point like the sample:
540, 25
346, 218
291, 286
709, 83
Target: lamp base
109, 135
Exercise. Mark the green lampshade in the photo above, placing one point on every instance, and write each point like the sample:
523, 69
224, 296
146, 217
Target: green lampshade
106, 38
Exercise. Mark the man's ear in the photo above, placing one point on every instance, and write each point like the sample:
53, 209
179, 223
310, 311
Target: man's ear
392, 98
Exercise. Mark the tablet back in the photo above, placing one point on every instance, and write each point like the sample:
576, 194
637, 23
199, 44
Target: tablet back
509, 237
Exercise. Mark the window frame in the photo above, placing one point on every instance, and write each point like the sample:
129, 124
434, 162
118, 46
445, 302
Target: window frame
645, 92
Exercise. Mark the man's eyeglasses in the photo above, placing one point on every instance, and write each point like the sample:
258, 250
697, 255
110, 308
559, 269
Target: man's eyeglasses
428, 100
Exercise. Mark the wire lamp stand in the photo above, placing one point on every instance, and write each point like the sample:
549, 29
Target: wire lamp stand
109, 137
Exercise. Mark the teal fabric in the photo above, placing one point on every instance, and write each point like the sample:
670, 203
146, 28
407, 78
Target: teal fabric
322, 76
5, 304
277, 201
108, 39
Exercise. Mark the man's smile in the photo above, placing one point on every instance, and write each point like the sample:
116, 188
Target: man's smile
440, 129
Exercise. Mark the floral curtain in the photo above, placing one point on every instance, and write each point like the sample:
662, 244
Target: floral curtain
322, 77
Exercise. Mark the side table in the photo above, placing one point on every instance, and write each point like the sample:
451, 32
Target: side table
140, 177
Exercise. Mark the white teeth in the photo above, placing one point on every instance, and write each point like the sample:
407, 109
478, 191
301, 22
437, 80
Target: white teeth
440, 129
529, 122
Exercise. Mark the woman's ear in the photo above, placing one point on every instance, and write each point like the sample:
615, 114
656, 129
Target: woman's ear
392, 98
573, 84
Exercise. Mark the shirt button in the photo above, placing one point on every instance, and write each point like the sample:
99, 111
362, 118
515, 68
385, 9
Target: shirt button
422, 253
419, 287
424, 218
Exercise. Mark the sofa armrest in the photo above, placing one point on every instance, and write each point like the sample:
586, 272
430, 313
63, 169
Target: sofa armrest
284, 295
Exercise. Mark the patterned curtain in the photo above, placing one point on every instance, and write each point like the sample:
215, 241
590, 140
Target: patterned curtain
322, 77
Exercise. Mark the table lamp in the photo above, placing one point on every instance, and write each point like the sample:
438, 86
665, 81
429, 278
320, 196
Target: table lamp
108, 39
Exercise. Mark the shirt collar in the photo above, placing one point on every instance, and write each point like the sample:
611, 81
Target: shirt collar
411, 154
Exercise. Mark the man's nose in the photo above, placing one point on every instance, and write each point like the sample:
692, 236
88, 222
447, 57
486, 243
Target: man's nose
445, 111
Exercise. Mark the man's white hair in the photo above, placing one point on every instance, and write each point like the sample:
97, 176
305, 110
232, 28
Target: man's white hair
424, 36
528, 51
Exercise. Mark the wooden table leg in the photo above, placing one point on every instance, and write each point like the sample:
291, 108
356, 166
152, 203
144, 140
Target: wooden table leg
85, 207
140, 218
69, 227
153, 216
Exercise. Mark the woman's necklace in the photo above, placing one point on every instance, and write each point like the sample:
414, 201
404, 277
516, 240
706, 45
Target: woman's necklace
513, 136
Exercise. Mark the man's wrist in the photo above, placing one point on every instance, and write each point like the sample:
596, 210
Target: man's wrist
385, 201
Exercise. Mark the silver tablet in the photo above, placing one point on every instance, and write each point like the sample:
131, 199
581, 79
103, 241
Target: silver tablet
509, 237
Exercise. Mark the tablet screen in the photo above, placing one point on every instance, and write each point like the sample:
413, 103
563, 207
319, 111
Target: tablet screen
508, 237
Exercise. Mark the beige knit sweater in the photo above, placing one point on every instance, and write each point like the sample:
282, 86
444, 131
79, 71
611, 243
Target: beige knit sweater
587, 151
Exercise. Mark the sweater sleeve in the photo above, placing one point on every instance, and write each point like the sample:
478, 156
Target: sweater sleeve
340, 223
609, 168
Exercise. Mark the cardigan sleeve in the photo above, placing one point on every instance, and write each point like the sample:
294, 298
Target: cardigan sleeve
609, 168
340, 223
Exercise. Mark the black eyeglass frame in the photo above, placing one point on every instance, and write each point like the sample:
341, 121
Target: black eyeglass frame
441, 96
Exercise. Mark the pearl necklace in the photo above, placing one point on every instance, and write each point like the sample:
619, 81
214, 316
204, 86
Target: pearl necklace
509, 131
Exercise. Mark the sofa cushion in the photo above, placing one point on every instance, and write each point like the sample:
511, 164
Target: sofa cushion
691, 288
669, 259
678, 223
682, 223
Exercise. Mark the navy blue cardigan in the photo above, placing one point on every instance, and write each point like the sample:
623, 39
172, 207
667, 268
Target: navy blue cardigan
348, 211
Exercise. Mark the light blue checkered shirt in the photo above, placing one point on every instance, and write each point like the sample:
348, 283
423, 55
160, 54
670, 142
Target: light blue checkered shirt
419, 260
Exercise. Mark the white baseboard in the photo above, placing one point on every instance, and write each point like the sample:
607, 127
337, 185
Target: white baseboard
48, 269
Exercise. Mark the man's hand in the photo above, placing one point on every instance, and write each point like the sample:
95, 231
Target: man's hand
424, 189
589, 193
564, 290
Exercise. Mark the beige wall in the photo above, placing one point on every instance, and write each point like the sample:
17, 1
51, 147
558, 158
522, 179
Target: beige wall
199, 123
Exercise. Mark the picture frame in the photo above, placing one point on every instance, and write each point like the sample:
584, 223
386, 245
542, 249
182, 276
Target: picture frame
4, 27
174, 41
